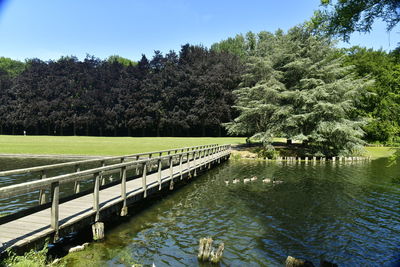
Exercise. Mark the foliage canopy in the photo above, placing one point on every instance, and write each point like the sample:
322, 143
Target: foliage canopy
296, 86
341, 18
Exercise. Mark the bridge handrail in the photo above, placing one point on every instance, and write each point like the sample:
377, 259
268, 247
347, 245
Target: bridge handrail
26, 187
74, 163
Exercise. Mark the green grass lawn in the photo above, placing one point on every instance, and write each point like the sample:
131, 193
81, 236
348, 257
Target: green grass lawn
380, 152
79, 145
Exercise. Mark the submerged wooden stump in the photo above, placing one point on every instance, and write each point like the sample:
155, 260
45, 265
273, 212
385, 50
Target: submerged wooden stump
98, 231
207, 252
216, 256
293, 262
124, 211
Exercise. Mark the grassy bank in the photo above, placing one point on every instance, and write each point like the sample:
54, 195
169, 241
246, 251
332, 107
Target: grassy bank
79, 145
380, 152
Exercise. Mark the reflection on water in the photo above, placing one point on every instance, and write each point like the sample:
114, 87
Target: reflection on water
344, 213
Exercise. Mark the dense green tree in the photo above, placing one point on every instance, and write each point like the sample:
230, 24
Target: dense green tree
298, 88
382, 104
11, 67
124, 61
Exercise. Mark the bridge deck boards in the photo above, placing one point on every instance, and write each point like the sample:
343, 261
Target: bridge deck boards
37, 225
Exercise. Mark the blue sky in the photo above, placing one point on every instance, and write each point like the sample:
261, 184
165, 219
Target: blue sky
48, 29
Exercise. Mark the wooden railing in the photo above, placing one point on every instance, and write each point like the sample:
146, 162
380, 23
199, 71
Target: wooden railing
192, 158
100, 160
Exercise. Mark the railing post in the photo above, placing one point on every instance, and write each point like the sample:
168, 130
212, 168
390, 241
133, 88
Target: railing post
188, 163
150, 166
195, 163
159, 169
103, 179
55, 196
42, 192
144, 182
124, 210
210, 153
96, 198
180, 165
77, 185
171, 172
122, 160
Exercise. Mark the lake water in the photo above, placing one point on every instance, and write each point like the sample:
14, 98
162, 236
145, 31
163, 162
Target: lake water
344, 213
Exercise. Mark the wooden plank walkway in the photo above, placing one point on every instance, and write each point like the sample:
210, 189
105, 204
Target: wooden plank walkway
70, 216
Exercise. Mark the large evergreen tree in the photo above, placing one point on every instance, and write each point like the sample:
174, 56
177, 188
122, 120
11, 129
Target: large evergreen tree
297, 87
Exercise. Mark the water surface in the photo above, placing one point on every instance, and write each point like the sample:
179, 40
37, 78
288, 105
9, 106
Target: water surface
344, 213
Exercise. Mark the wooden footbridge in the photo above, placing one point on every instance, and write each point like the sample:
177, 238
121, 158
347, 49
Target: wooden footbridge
94, 194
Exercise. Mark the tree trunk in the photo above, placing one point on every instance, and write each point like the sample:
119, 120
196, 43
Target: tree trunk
288, 141
61, 130
158, 130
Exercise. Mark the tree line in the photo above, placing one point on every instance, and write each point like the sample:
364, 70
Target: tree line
298, 85
178, 94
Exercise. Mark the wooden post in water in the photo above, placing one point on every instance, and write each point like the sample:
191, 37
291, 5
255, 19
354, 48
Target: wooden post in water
124, 210
42, 192
98, 231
